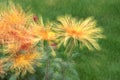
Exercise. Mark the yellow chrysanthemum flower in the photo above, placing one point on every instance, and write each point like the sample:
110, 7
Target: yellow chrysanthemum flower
83, 31
23, 63
43, 32
15, 16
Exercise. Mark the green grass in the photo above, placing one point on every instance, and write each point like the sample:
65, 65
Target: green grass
96, 65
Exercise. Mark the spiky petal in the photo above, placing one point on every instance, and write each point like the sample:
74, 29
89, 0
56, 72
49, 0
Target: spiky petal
82, 31
23, 63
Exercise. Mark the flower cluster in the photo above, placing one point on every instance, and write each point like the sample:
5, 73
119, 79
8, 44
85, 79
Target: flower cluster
17, 39
21, 32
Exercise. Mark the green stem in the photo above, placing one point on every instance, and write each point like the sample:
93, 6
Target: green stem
68, 51
47, 65
63, 73
69, 48
47, 70
42, 42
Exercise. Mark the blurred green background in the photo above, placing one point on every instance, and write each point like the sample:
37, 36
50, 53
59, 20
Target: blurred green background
91, 65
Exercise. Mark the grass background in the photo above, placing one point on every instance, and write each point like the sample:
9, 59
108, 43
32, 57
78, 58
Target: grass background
96, 65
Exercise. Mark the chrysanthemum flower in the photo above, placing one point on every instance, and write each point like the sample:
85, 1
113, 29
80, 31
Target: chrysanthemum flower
4, 35
82, 31
43, 32
15, 16
23, 63
15, 30
24, 37
16, 40
16, 36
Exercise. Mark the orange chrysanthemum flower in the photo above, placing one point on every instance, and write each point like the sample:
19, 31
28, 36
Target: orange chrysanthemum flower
44, 34
23, 63
15, 16
17, 39
4, 33
24, 37
83, 31
14, 29
16, 36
